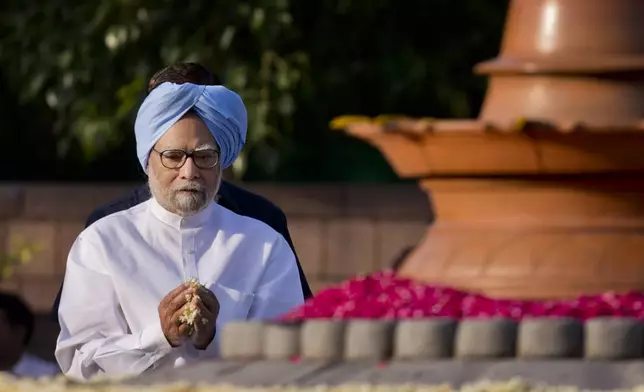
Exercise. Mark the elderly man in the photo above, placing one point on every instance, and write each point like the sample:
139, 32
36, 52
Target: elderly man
230, 196
126, 305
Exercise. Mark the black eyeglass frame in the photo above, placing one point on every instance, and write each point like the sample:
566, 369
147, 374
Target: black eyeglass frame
186, 155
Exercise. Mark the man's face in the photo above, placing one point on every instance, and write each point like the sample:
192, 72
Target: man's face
188, 189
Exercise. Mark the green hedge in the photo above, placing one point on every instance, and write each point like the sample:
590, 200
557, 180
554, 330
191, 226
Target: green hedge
72, 75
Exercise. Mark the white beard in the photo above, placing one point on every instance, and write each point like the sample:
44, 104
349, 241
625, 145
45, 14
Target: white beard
179, 202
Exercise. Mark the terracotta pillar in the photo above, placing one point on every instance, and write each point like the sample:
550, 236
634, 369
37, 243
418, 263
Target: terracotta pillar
530, 238
543, 195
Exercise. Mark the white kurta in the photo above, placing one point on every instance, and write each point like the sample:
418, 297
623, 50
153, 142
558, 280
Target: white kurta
121, 267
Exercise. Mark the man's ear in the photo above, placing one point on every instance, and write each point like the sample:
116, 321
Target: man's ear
148, 168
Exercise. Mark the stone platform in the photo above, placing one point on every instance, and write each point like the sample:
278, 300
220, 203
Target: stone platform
601, 353
580, 373
601, 338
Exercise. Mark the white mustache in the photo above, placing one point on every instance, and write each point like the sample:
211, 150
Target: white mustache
193, 186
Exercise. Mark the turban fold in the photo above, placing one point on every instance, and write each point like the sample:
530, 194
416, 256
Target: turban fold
221, 109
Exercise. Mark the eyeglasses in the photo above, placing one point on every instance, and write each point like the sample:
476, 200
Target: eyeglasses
175, 159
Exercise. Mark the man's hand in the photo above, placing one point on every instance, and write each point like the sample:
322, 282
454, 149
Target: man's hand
170, 310
204, 328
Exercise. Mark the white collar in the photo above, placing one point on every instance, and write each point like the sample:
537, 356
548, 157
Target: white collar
178, 221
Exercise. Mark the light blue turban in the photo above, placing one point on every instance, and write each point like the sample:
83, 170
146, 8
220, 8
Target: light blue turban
222, 110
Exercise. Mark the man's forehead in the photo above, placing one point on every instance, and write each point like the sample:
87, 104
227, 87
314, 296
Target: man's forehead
207, 146
179, 146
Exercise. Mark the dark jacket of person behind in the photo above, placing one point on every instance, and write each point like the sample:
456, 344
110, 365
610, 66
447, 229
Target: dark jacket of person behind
17, 324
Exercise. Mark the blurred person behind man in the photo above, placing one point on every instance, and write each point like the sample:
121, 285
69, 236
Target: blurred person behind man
16, 329
126, 306
236, 199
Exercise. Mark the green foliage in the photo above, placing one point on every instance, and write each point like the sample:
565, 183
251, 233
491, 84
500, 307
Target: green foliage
90, 61
84, 66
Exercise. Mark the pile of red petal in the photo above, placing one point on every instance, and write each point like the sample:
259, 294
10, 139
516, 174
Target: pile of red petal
383, 295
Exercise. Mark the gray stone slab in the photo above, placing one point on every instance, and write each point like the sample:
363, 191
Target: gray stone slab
613, 338
266, 373
424, 339
486, 338
336, 373
207, 372
368, 340
281, 341
550, 338
573, 372
242, 340
322, 339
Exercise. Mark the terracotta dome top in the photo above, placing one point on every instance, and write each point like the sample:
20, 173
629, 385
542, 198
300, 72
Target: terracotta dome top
426, 147
363, 125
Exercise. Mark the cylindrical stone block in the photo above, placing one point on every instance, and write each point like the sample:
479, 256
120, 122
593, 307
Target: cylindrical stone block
547, 337
486, 338
281, 341
368, 339
322, 339
424, 338
241, 340
613, 338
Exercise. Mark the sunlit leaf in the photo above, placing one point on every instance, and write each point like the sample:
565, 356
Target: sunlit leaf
237, 77
35, 85
227, 37
286, 105
257, 19
239, 166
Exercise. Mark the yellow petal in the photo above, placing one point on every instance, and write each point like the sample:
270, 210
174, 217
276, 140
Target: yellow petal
342, 122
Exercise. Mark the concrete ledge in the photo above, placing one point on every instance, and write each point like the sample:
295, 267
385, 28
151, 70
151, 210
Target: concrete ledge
550, 338
425, 339
435, 338
322, 339
613, 338
572, 375
368, 339
281, 341
486, 338
242, 340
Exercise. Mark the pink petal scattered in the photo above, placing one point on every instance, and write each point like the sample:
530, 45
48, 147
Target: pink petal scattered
383, 295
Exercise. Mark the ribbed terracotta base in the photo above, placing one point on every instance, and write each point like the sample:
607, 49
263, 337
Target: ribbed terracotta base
533, 238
